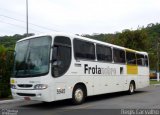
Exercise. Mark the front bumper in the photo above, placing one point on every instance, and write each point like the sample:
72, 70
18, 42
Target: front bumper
39, 95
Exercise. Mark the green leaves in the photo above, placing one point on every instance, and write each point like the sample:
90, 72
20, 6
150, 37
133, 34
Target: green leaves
133, 39
5, 71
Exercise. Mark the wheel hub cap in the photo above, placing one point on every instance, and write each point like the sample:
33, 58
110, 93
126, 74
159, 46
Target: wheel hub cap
79, 95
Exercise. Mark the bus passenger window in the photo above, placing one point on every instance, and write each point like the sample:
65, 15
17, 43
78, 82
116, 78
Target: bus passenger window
131, 58
61, 56
140, 59
84, 50
104, 53
118, 55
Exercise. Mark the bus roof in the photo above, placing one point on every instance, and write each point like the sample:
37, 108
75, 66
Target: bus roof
72, 36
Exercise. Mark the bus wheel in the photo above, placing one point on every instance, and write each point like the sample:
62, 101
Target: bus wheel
78, 95
131, 88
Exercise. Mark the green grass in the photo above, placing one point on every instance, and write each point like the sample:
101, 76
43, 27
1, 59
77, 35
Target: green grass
154, 82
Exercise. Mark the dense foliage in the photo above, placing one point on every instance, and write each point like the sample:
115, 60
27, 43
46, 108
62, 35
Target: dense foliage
6, 65
7, 44
9, 41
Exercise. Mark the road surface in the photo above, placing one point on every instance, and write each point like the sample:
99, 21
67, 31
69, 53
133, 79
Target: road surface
144, 100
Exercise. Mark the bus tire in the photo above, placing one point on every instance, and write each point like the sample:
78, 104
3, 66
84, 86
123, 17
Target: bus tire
78, 95
131, 89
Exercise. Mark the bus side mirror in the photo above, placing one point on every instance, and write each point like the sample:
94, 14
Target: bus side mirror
55, 54
55, 60
56, 63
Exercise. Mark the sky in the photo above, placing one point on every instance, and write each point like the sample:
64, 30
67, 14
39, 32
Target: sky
77, 16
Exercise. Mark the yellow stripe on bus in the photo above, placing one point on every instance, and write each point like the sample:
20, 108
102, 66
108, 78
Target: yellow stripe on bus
132, 69
130, 50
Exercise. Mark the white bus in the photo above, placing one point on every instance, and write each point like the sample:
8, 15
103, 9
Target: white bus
59, 66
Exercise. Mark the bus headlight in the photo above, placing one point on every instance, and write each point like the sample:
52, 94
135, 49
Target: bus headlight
40, 86
13, 86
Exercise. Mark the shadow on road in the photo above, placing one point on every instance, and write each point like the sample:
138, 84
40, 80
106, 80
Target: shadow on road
110, 96
67, 103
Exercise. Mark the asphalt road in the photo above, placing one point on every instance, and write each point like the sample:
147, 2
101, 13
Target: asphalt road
144, 100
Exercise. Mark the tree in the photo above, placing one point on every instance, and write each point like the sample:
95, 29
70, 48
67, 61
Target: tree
6, 63
137, 40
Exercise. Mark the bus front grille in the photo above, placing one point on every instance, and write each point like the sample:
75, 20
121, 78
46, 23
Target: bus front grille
25, 85
26, 94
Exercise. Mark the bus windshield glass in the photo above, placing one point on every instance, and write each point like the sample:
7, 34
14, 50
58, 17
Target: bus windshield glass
32, 57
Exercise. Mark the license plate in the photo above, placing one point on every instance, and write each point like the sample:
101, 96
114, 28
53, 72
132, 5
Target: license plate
27, 98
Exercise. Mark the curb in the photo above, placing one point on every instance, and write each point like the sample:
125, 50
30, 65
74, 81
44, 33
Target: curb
155, 85
10, 101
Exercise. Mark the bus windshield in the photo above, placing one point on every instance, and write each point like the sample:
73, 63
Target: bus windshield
32, 57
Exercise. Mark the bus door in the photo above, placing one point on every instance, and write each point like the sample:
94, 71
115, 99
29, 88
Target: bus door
61, 60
